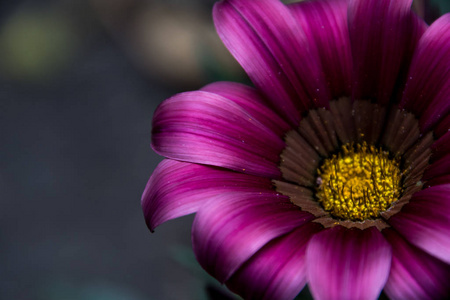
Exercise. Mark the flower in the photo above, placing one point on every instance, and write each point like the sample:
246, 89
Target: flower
333, 171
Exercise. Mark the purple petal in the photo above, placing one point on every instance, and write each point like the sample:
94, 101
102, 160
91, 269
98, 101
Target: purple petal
383, 35
325, 25
439, 106
428, 87
414, 274
348, 263
442, 127
206, 128
266, 40
438, 168
438, 180
250, 100
278, 270
441, 146
177, 188
425, 221
230, 228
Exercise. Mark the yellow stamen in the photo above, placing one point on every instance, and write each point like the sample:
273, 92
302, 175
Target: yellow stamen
358, 183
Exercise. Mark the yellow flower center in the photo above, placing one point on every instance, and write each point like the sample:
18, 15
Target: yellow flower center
359, 182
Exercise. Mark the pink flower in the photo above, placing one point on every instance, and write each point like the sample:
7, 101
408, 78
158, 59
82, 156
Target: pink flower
334, 171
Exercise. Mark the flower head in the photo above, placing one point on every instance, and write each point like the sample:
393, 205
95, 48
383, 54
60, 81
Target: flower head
333, 171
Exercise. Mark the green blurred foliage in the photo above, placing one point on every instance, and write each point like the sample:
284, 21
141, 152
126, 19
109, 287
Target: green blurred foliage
36, 44
443, 5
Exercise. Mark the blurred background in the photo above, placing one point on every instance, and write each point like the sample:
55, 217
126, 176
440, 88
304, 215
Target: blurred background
79, 82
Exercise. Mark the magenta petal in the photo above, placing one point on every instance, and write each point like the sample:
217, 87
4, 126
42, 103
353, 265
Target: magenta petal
415, 275
278, 270
438, 180
266, 40
427, 92
442, 127
325, 24
250, 100
425, 221
348, 263
206, 128
383, 35
177, 188
230, 228
441, 146
438, 108
438, 168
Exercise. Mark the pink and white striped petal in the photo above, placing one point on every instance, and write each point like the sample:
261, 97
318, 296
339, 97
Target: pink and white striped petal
383, 36
278, 270
348, 264
266, 40
178, 188
232, 227
415, 275
206, 128
425, 221
325, 25
427, 92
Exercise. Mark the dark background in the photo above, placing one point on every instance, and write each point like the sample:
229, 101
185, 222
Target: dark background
79, 82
